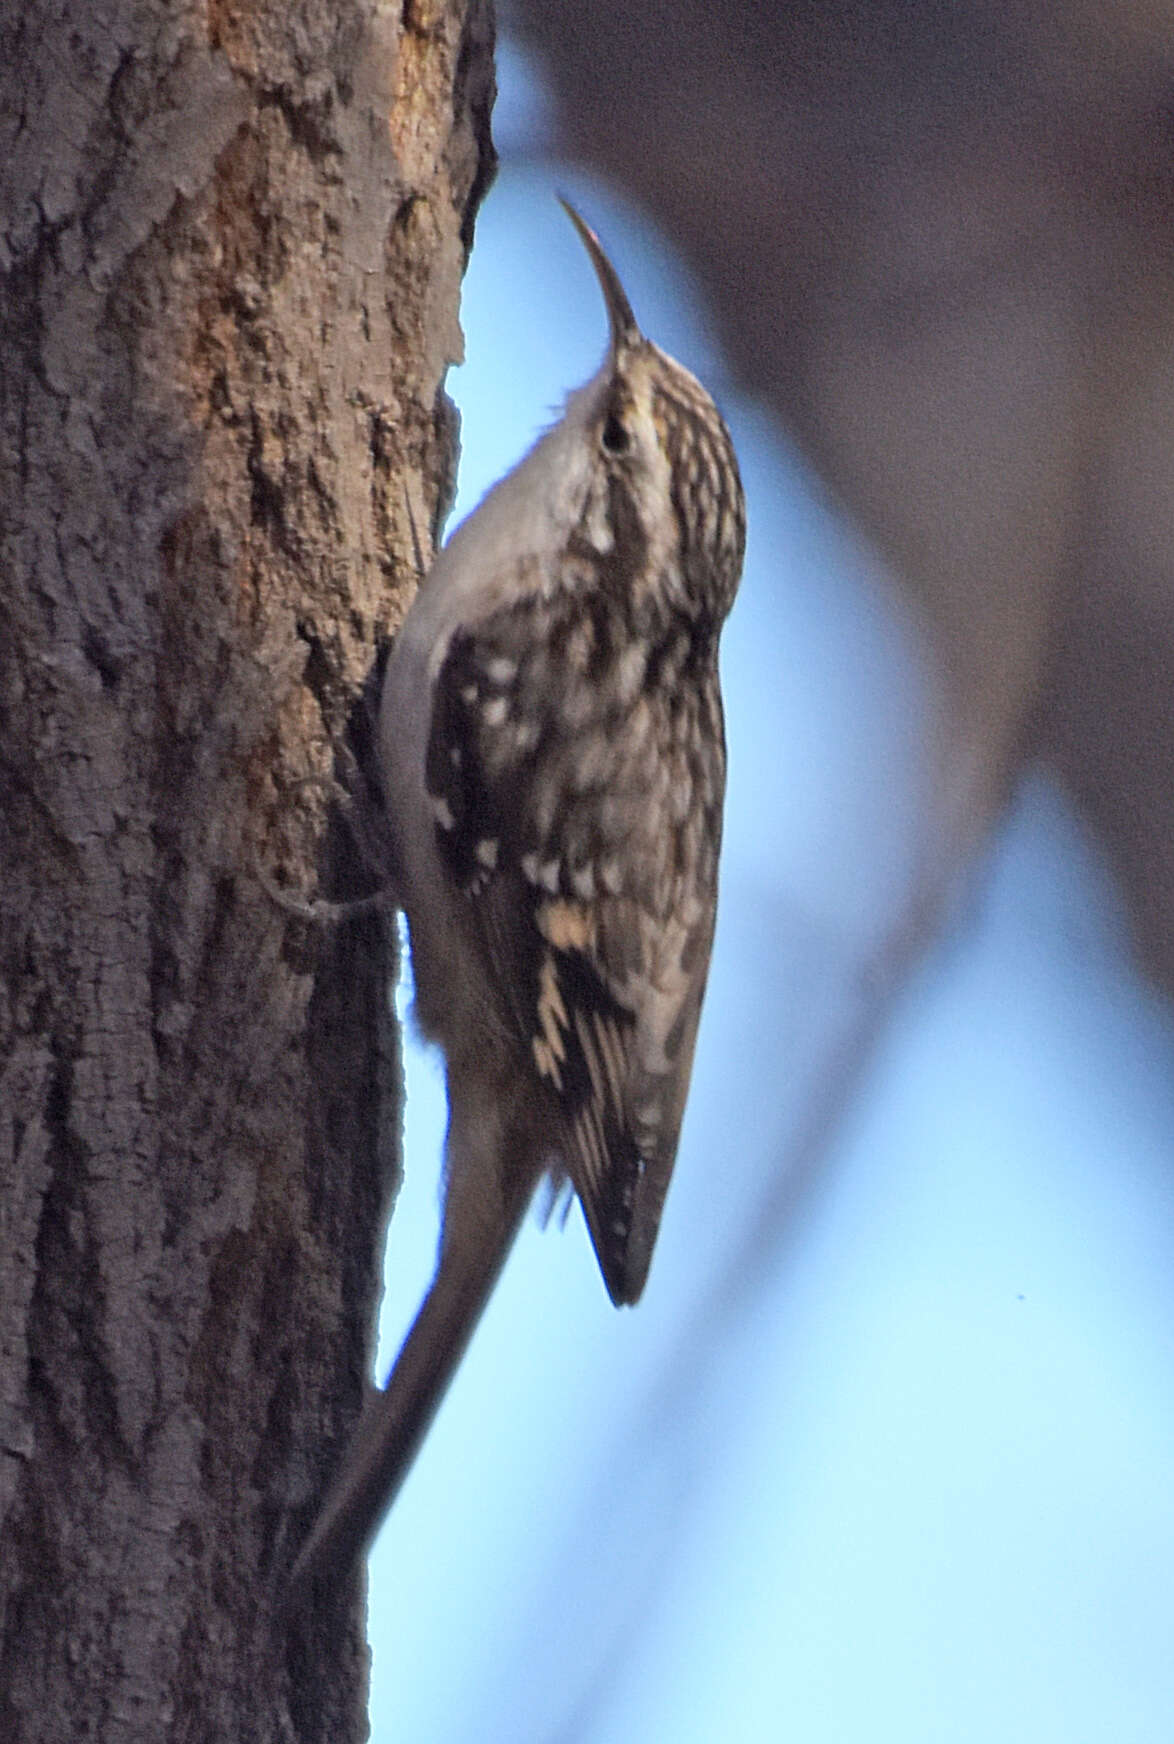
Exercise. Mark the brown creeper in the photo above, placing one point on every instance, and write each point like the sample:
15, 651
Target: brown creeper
553, 756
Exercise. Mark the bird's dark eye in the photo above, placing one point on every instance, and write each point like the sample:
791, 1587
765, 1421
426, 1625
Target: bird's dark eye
615, 438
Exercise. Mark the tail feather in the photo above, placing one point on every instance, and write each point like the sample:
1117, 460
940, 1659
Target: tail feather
398, 1418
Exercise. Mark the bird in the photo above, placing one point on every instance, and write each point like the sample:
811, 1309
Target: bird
552, 752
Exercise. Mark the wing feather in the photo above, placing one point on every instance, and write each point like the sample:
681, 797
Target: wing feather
602, 993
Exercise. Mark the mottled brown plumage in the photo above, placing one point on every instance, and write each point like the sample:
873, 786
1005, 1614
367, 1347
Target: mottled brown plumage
554, 760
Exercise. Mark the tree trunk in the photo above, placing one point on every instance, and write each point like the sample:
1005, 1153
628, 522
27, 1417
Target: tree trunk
231, 241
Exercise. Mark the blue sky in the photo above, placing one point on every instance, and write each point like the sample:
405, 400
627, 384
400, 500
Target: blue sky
888, 1456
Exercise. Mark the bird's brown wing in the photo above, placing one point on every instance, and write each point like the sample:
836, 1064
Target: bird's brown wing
599, 963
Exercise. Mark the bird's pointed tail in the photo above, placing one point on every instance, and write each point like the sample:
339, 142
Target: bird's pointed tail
397, 1419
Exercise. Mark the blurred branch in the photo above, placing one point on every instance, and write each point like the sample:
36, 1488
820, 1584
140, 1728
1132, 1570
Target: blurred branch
938, 241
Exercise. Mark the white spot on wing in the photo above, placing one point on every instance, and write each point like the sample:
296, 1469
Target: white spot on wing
550, 1048
632, 666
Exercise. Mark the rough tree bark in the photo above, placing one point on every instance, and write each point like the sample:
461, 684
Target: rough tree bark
231, 242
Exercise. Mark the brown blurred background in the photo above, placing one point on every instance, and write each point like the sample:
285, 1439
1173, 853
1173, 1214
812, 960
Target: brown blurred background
938, 239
